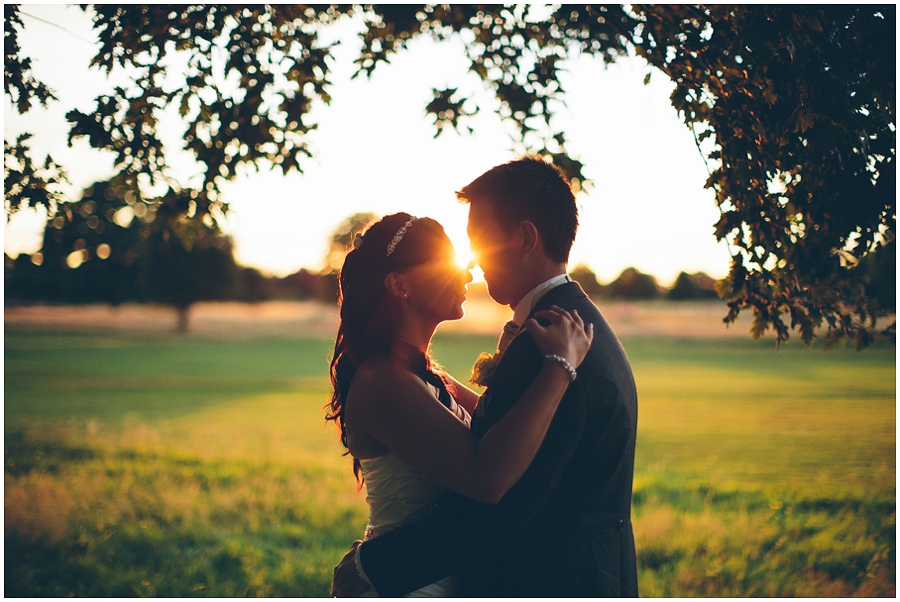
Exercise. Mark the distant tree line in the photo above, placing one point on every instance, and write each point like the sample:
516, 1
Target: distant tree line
28, 279
213, 275
112, 246
635, 285
209, 275
115, 246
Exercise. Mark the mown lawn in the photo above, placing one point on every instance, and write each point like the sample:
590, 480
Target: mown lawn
160, 466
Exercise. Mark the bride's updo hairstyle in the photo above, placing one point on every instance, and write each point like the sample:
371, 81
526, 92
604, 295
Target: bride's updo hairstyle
369, 316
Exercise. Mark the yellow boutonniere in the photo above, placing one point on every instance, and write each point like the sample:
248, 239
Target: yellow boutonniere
484, 368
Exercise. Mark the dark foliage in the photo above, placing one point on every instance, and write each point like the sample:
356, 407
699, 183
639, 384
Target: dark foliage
792, 106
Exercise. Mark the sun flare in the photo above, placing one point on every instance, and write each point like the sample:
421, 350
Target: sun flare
465, 259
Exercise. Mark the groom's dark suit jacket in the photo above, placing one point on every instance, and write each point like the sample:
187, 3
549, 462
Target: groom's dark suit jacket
565, 528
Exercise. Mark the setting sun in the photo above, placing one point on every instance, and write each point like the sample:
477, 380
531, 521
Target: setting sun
465, 258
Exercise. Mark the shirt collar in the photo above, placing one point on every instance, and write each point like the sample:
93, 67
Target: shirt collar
526, 303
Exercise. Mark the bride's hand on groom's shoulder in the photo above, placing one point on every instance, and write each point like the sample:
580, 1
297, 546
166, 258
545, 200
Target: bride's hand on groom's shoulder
347, 582
562, 333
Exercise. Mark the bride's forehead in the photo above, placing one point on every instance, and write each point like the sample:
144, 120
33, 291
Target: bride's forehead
440, 255
437, 242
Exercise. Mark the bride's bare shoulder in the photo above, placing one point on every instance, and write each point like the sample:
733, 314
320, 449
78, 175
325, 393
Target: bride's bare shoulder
378, 372
376, 364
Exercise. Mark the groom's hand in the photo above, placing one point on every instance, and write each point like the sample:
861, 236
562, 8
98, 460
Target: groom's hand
348, 583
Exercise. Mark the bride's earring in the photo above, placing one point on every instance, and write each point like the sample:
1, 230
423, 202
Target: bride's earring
396, 285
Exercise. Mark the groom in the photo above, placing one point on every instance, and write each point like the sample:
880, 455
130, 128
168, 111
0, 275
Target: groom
565, 528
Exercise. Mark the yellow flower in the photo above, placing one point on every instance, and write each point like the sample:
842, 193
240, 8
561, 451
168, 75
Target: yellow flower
484, 368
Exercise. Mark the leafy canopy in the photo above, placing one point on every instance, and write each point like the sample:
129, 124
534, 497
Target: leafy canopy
791, 106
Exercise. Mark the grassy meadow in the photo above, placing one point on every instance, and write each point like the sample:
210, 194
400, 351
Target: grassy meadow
139, 463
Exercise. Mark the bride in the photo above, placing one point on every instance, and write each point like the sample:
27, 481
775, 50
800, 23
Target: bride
402, 418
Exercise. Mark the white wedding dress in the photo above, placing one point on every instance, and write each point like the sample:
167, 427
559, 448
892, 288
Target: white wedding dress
395, 491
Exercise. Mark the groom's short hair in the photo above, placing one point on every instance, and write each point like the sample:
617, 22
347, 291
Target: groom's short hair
530, 189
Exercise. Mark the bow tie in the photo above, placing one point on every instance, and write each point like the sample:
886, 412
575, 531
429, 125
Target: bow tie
510, 329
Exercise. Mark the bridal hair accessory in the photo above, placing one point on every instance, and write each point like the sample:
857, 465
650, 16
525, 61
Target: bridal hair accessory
399, 236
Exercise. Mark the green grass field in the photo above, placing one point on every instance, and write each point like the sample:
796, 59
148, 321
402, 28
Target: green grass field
150, 465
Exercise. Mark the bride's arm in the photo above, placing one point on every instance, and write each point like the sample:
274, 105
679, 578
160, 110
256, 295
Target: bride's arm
407, 418
465, 396
399, 410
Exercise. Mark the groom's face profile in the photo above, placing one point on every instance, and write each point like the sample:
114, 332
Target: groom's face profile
495, 251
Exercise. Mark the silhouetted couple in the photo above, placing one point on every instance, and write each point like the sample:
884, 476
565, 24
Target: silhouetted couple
525, 491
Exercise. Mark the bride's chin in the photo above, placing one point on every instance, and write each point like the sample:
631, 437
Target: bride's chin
459, 314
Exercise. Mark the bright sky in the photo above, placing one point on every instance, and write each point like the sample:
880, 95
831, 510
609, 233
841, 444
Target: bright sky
376, 151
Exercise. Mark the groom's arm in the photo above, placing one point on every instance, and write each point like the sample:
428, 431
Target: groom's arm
459, 531
416, 554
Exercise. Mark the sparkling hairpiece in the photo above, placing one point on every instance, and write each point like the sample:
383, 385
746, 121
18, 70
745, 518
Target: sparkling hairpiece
399, 236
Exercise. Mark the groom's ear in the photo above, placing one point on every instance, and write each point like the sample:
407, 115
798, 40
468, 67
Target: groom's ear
396, 285
530, 237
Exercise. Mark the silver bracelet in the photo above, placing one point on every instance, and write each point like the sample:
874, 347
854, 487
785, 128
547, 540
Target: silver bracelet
565, 364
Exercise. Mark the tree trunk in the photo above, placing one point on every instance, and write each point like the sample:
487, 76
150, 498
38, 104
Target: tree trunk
183, 317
